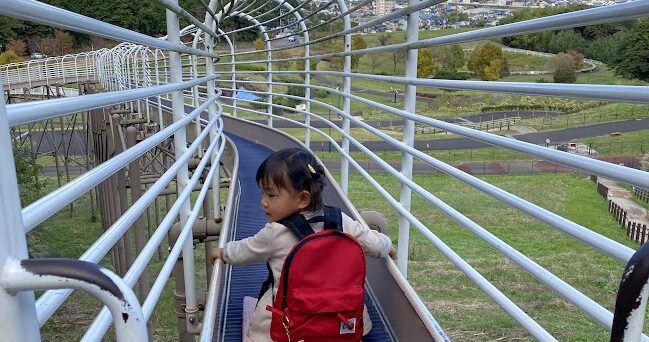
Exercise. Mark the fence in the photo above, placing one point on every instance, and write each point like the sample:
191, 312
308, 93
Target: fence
498, 124
636, 231
642, 194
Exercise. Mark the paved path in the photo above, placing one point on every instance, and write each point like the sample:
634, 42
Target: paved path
487, 167
538, 138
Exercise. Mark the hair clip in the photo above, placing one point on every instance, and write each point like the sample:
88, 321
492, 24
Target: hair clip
311, 168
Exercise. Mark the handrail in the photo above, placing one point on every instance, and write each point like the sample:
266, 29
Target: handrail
229, 219
36, 274
631, 302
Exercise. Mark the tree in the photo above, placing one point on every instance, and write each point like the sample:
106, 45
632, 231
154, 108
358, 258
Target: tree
534, 41
632, 61
9, 57
383, 38
450, 56
358, 43
18, 46
27, 174
494, 70
374, 61
449, 74
336, 63
605, 49
397, 56
565, 40
563, 68
425, 64
7, 29
455, 17
577, 57
283, 54
481, 58
259, 44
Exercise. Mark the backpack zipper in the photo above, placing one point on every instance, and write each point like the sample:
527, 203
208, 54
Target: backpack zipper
288, 261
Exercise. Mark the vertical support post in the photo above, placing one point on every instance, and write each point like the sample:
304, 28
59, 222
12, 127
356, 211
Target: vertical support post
347, 87
211, 92
307, 76
182, 178
233, 69
410, 103
18, 310
269, 68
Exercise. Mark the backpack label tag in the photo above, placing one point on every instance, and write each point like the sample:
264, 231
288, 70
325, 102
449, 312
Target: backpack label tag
344, 329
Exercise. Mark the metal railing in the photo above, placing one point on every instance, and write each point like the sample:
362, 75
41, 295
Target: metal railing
133, 76
145, 74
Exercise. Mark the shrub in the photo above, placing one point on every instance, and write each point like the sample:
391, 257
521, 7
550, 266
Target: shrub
9, 57
250, 67
321, 93
27, 174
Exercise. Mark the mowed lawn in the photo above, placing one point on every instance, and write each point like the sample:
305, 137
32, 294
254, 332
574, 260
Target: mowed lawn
464, 311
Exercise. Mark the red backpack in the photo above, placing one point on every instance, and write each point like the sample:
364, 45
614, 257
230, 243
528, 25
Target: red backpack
321, 290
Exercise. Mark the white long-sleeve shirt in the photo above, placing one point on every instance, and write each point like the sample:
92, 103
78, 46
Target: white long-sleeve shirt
274, 242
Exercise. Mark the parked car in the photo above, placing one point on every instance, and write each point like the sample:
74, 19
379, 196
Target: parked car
38, 55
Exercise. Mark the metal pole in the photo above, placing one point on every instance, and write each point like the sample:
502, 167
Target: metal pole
410, 103
211, 92
180, 144
269, 67
347, 86
17, 309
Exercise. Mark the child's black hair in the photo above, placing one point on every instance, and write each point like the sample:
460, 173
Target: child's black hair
294, 168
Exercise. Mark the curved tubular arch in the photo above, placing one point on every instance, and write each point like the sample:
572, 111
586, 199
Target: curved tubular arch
269, 63
314, 12
259, 24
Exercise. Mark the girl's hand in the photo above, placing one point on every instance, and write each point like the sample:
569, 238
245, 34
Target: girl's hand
217, 253
393, 253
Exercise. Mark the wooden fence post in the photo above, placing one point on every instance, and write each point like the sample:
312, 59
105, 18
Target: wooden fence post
628, 228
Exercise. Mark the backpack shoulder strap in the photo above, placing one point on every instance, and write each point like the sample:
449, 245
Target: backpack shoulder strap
297, 224
332, 218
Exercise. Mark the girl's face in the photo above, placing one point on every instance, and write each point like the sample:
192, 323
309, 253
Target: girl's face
280, 203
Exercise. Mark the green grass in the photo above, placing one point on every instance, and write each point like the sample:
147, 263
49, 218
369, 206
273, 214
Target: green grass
463, 310
605, 113
603, 75
630, 143
449, 156
69, 237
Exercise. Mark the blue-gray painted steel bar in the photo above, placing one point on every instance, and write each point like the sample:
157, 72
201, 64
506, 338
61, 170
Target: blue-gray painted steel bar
50, 301
27, 112
602, 243
38, 274
101, 323
182, 177
511, 308
17, 312
174, 7
51, 203
592, 308
41, 13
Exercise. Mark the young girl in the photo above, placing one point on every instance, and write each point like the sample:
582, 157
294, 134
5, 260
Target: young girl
291, 181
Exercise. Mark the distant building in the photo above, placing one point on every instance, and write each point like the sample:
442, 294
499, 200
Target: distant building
384, 6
